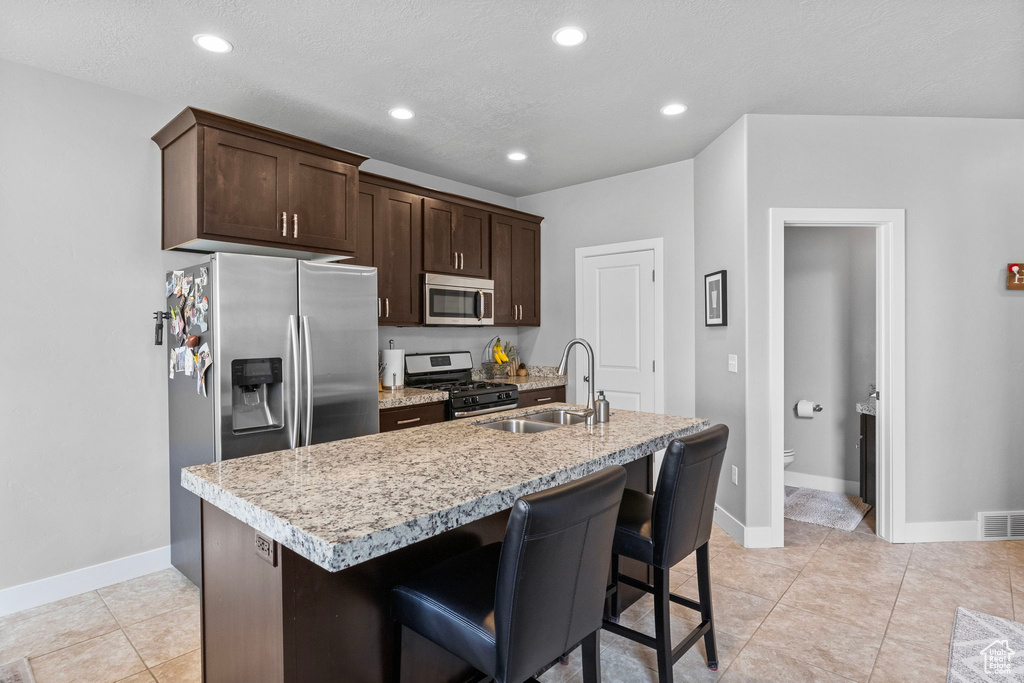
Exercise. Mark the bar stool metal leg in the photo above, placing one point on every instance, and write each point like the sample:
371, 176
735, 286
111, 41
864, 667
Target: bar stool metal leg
614, 607
704, 597
662, 625
592, 658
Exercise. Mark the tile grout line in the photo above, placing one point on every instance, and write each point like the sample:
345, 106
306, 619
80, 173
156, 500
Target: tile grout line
888, 622
125, 634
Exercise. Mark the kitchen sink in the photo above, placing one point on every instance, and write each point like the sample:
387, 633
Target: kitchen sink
559, 417
520, 426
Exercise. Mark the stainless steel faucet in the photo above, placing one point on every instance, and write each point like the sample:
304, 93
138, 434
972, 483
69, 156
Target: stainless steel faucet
563, 368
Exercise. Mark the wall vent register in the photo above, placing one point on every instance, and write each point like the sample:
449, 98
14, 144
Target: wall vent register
1001, 526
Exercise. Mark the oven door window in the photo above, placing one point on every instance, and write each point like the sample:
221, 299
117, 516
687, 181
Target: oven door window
461, 304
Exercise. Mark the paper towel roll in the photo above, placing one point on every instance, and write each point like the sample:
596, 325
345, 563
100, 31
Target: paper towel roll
394, 367
805, 408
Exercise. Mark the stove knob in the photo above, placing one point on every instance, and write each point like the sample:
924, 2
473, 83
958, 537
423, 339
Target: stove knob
476, 399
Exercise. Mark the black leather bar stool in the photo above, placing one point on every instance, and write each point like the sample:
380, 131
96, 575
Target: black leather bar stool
663, 529
509, 609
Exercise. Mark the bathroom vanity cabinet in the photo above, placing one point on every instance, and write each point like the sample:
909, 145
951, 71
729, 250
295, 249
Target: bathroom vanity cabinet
867, 458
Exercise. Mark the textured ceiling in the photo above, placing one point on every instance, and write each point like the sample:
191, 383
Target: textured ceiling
484, 77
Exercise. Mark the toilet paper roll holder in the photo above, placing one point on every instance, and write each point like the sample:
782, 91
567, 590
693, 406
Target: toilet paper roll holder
817, 407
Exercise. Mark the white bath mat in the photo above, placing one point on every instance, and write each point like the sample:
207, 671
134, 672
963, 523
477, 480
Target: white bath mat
835, 510
985, 648
17, 671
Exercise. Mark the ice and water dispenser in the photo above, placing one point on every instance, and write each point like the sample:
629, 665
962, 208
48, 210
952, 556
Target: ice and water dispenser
257, 396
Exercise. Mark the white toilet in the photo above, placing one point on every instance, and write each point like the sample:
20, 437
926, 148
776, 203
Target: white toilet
788, 456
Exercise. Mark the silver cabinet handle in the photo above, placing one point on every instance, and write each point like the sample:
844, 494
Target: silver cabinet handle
380, 310
543, 400
387, 307
462, 260
295, 226
409, 421
293, 328
309, 380
455, 260
284, 224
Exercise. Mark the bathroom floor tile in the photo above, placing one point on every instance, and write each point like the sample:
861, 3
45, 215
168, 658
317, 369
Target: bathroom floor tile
187, 668
900, 662
100, 660
757, 664
166, 635
740, 570
734, 611
821, 642
50, 630
147, 596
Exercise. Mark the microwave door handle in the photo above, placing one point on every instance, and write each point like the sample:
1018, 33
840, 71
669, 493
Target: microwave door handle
309, 381
480, 304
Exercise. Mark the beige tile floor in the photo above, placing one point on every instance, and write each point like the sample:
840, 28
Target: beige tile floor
830, 606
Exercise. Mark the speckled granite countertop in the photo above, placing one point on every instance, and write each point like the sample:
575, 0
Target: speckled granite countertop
867, 408
342, 503
531, 382
400, 398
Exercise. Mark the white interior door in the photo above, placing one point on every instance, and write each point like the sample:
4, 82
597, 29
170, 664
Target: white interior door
618, 299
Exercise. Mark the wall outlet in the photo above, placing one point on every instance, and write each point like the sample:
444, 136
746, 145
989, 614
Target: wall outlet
735, 475
734, 364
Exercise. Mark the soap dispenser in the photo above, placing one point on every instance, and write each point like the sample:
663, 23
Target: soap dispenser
602, 409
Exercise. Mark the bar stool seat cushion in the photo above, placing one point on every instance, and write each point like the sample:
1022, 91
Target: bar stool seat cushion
453, 602
634, 528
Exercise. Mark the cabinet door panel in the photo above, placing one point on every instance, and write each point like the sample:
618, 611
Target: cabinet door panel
368, 203
473, 242
245, 187
501, 269
440, 222
526, 271
397, 239
323, 198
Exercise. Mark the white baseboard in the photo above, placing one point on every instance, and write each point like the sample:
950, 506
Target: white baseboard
747, 536
813, 481
934, 532
28, 595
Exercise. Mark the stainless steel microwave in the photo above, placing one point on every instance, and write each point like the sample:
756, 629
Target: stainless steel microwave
454, 300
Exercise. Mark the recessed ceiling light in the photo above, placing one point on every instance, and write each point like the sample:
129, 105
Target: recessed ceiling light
569, 36
673, 109
516, 156
401, 113
211, 42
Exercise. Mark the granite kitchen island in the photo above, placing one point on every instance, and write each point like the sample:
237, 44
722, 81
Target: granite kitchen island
301, 547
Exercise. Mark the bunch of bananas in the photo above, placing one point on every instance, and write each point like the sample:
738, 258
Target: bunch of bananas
499, 353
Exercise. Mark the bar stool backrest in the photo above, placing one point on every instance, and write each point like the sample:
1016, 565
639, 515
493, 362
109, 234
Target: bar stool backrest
684, 501
553, 571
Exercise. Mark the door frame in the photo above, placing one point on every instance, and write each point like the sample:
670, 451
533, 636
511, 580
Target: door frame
657, 245
890, 357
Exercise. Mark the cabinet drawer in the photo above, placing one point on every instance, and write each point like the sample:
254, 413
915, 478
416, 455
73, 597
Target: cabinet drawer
538, 397
413, 416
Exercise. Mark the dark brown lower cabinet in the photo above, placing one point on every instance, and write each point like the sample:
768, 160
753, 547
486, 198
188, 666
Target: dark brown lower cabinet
413, 416
867, 459
294, 622
538, 397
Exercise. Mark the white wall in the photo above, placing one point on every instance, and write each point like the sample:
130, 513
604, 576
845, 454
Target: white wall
434, 182
830, 345
657, 202
961, 182
720, 188
83, 409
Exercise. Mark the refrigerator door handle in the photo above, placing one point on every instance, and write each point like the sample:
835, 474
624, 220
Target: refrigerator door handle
293, 328
307, 433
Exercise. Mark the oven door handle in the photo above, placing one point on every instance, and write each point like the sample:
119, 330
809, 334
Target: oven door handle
480, 304
485, 411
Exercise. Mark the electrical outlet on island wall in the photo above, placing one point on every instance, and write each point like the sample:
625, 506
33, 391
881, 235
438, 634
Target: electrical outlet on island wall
735, 475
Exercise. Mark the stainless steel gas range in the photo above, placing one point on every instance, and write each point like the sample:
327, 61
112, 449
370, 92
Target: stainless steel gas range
452, 372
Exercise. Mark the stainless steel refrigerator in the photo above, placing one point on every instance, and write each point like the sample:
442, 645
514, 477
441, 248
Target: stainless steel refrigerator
293, 346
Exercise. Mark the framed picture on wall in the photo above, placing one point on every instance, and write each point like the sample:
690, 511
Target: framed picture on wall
716, 312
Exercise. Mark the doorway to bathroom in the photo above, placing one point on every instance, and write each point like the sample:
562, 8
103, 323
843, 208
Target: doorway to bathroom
837, 327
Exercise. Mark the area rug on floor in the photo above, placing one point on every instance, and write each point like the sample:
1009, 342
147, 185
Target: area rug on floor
17, 671
985, 648
835, 510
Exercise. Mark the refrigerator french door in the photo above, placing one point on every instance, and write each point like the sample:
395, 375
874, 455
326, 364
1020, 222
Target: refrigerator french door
294, 349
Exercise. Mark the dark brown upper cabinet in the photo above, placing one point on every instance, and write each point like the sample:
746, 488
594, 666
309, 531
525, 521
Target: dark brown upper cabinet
456, 239
226, 180
396, 225
515, 269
